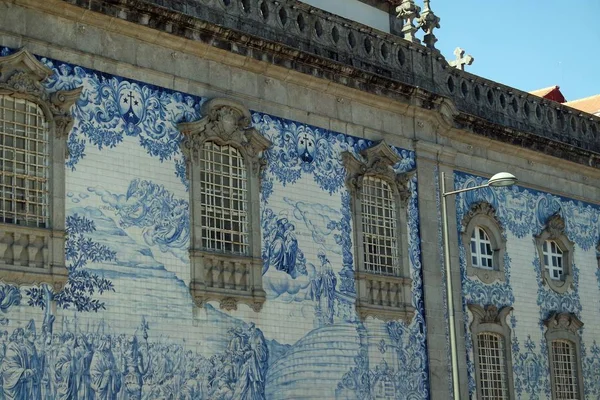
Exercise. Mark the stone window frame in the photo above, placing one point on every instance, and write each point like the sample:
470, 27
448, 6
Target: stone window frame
555, 230
483, 215
386, 297
22, 76
490, 319
227, 278
564, 326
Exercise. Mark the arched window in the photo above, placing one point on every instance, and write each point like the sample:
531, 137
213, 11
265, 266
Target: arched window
379, 199
491, 350
223, 155
34, 126
563, 339
224, 199
379, 227
555, 252
24, 163
484, 243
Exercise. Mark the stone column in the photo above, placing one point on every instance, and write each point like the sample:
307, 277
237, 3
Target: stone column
431, 160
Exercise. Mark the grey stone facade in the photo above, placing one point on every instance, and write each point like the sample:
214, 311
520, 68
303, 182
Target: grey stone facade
297, 62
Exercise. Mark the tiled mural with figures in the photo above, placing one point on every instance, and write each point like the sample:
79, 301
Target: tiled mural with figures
125, 327
523, 214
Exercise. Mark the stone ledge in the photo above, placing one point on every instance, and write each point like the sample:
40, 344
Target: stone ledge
303, 40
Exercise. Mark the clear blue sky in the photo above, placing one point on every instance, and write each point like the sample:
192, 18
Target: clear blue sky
526, 44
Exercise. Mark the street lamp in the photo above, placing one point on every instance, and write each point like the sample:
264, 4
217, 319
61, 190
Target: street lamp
498, 180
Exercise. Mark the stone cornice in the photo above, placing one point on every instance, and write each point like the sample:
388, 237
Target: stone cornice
298, 37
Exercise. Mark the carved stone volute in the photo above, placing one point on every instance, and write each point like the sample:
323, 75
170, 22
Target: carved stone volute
378, 160
480, 208
21, 75
226, 122
563, 321
555, 226
489, 314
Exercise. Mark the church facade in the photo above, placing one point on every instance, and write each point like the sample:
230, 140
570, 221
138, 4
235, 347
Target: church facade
240, 199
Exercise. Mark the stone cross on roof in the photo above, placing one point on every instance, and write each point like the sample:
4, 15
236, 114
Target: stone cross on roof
461, 59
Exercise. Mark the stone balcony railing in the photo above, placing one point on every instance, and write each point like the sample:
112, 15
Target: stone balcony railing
226, 279
384, 297
297, 36
26, 259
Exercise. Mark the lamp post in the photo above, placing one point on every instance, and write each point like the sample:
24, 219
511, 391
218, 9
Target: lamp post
498, 180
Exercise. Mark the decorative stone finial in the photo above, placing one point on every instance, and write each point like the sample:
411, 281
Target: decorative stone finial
428, 22
461, 59
408, 12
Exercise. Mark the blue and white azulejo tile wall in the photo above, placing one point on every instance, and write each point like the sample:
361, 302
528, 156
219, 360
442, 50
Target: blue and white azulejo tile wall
127, 328
523, 213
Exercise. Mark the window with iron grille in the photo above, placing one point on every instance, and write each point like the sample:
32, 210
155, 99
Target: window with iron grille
34, 126
492, 352
224, 157
564, 368
379, 227
553, 259
481, 249
24, 163
492, 366
223, 199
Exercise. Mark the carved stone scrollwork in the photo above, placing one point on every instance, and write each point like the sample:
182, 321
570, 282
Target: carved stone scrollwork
555, 226
563, 322
428, 21
21, 75
489, 314
32, 256
408, 12
378, 161
225, 277
387, 297
481, 208
226, 122
555, 231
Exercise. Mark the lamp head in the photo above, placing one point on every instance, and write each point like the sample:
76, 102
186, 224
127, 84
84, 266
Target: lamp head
502, 179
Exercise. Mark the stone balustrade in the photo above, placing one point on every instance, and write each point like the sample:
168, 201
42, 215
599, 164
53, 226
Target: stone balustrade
384, 296
229, 280
21, 247
297, 36
29, 256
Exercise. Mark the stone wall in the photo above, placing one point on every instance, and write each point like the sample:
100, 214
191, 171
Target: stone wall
116, 163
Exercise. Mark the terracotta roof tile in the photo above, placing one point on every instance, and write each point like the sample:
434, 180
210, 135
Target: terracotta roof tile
589, 104
550, 93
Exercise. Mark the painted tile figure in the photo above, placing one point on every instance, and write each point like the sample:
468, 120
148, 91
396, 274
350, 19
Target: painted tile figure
16, 375
127, 255
284, 249
323, 290
105, 379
